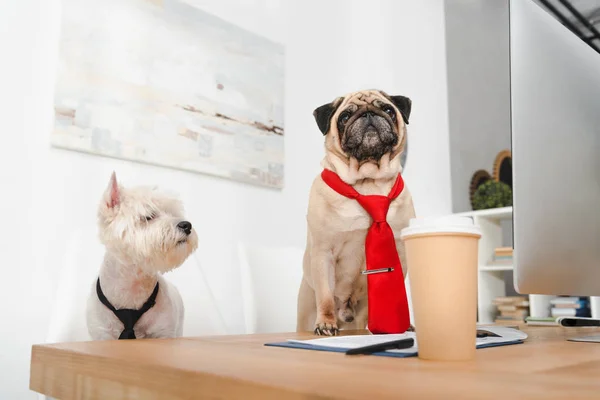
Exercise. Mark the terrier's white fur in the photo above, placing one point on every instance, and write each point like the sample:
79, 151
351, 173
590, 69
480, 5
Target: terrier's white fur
138, 227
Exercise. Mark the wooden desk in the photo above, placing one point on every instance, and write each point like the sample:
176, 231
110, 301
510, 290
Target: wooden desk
545, 367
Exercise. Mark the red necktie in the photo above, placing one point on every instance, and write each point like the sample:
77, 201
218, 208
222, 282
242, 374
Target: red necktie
388, 305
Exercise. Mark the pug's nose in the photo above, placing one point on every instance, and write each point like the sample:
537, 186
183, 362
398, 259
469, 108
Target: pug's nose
185, 226
368, 115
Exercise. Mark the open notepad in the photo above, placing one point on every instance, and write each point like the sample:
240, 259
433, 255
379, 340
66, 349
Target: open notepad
341, 344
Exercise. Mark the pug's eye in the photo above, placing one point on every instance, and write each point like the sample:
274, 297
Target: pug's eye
389, 110
344, 117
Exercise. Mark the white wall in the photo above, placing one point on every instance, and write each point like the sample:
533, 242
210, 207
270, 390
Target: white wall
48, 194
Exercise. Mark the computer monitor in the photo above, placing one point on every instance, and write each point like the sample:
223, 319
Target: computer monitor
555, 112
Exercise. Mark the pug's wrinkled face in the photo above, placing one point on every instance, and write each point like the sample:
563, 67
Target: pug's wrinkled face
365, 125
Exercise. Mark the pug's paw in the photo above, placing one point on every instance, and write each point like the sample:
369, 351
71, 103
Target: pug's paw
326, 323
326, 329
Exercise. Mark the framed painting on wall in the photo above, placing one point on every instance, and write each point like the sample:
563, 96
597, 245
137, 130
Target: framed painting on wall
165, 83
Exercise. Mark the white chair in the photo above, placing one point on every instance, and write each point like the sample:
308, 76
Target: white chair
270, 278
202, 314
83, 258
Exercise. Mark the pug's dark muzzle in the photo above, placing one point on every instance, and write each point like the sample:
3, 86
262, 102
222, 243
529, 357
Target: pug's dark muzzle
368, 136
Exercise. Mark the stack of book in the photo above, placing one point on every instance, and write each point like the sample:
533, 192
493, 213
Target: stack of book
512, 309
502, 256
564, 306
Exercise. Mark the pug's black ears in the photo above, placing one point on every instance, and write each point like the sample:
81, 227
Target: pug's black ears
403, 104
324, 113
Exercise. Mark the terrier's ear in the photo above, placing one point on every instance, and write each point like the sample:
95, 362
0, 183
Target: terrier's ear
403, 104
324, 113
112, 194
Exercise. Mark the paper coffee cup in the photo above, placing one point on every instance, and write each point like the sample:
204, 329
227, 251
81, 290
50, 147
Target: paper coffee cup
442, 264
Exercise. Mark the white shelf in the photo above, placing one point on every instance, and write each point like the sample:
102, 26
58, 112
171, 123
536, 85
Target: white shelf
494, 214
491, 278
494, 268
491, 282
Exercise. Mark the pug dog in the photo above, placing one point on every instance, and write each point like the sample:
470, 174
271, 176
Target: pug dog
365, 135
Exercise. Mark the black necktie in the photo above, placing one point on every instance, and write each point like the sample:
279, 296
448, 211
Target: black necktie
126, 315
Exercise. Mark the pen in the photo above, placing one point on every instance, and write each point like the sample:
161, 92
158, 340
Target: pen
578, 321
374, 348
376, 271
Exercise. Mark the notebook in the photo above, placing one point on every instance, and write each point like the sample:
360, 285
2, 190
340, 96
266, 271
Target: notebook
542, 321
341, 344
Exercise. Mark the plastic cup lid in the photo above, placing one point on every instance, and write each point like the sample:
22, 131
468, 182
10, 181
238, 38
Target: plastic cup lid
446, 224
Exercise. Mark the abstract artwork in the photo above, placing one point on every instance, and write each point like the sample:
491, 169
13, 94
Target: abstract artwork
163, 82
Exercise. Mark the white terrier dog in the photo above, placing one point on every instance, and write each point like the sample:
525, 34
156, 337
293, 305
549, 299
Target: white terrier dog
145, 235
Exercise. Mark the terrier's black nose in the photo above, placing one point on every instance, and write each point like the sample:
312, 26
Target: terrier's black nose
185, 226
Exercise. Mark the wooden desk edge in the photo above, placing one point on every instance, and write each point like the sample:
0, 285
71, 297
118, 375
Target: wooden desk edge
78, 375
